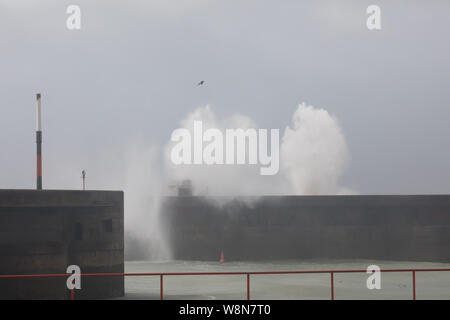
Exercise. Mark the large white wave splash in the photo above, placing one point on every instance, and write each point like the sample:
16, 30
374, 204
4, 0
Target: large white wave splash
313, 157
314, 153
142, 190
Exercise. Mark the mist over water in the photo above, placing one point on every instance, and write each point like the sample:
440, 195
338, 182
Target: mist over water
218, 180
313, 157
142, 189
314, 153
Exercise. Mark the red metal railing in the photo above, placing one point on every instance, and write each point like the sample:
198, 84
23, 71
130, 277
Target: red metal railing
161, 276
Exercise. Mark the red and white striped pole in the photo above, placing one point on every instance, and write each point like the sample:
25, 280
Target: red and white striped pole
83, 175
38, 143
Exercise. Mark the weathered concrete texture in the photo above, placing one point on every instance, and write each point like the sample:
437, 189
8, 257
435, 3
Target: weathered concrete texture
43, 232
407, 228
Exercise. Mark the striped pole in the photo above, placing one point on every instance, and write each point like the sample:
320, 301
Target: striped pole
38, 144
83, 174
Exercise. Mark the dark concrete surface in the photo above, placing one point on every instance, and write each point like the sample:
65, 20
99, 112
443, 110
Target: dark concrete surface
43, 232
401, 228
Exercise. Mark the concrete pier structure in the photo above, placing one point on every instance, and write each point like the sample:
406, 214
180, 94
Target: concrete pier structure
43, 232
378, 227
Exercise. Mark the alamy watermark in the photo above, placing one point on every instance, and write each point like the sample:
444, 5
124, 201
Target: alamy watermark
74, 280
374, 280
73, 22
235, 147
374, 19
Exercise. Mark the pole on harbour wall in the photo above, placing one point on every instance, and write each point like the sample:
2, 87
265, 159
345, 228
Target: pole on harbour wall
38, 143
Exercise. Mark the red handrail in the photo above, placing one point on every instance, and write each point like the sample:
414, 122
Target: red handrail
162, 274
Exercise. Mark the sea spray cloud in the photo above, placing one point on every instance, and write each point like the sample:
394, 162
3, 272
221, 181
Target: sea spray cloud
142, 187
135, 168
314, 152
217, 179
313, 157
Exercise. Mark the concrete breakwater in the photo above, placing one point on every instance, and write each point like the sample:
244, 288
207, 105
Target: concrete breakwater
43, 232
383, 227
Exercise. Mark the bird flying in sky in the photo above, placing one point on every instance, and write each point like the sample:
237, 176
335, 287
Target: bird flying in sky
200, 83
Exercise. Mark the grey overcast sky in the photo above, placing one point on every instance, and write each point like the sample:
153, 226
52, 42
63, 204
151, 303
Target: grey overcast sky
131, 73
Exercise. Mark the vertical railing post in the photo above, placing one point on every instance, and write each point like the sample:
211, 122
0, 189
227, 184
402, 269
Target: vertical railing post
248, 286
161, 293
72, 291
332, 285
414, 284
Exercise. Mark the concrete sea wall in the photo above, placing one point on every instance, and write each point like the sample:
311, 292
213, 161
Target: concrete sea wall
42, 232
406, 228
